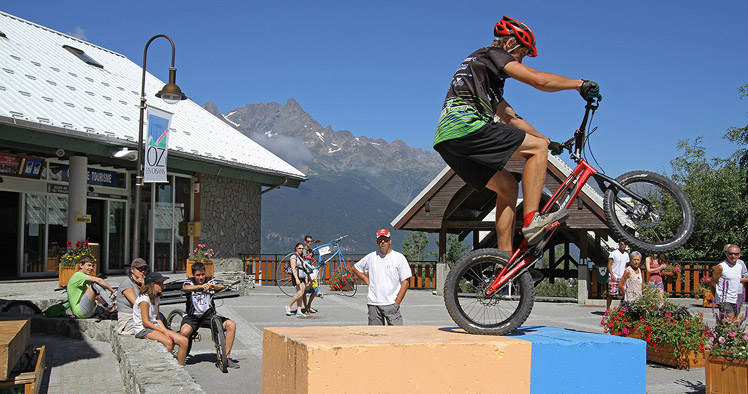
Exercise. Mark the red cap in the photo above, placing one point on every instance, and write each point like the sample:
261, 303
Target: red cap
383, 233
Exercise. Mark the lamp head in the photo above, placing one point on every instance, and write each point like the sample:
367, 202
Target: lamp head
171, 93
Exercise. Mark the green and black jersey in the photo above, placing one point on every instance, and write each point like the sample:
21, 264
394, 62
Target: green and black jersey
476, 90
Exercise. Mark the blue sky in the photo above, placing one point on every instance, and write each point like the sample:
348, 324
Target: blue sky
668, 70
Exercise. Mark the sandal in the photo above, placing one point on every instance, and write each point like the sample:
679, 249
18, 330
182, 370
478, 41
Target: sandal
311, 310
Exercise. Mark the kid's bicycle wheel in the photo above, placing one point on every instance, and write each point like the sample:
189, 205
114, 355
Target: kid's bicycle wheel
477, 313
174, 323
282, 278
219, 339
22, 308
652, 214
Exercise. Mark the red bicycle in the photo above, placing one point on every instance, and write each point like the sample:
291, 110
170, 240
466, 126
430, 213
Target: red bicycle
489, 291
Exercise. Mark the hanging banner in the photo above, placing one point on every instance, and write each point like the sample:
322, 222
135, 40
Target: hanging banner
154, 166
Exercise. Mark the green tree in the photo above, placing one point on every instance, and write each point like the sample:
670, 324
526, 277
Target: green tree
739, 135
716, 188
455, 249
414, 246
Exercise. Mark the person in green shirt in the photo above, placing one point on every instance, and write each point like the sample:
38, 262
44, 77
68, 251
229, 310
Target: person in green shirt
84, 289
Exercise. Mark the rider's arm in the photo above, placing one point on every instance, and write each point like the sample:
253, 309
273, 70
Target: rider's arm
507, 115
401, 294
546, 82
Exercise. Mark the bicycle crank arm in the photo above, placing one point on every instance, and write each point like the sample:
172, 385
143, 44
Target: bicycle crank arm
501, 280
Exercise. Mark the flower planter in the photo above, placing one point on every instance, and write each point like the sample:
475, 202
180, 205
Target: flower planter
664, 354
725, 376
208, 268
65, 273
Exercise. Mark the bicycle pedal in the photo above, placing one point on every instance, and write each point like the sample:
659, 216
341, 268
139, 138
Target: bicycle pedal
552, 226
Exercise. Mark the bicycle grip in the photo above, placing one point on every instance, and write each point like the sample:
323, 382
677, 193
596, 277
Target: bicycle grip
555, 148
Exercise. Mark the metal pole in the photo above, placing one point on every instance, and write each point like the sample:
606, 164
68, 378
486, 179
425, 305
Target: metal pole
139, 165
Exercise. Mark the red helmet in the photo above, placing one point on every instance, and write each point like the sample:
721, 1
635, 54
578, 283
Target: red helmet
514, 28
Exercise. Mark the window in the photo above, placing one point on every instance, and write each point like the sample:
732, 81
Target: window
82, 55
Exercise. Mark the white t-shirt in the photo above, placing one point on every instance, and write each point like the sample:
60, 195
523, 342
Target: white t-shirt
386, 272
619, 263
137, 319
730, 281
200, 298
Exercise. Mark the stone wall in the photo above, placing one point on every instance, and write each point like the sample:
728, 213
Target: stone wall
230, 212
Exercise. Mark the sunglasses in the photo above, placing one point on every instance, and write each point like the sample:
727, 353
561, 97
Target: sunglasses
299, 248
142, 269
733, 254
382, 239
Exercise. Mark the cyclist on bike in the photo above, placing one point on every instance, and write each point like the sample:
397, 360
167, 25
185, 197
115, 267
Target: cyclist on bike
479, 131
200, 289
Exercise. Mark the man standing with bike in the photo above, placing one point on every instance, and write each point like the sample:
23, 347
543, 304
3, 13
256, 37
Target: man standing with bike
200, 289
479, 131
387, 278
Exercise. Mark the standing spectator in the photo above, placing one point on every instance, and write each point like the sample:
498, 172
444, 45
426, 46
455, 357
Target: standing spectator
631, 281
127, 292
727, 281
616, 266
299, 278
655, 263
315, 276
387, 278
84, 289
146, 321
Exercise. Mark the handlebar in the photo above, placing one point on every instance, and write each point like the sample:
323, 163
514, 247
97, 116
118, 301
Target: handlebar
575, 144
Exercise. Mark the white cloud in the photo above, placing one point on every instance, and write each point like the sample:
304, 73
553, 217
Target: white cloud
79, 33
290, 149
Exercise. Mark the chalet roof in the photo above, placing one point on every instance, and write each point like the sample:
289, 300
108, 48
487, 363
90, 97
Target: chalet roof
46, 88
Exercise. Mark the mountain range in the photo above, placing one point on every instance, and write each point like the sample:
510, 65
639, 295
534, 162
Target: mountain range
356, 184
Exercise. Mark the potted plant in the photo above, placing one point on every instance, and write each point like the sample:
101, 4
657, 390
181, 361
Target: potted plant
674, 335
53, 255
341, 279
705, 291
670, 269
204, 255
727, 356
69, 260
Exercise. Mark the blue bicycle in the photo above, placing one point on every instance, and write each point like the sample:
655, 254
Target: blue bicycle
341, 278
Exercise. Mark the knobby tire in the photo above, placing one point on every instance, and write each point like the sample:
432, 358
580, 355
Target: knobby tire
477, 313
22, 308
174, 322
283, 279
661, 226
219, 339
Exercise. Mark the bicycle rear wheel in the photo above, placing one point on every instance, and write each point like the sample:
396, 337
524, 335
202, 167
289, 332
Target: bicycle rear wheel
660, 223
282, 278
467, 304
22, 308
219, 339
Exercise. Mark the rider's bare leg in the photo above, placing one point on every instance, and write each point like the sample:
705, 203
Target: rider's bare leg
230, 328
506, 189
535, 151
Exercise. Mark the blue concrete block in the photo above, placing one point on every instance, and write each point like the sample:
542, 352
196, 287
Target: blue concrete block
568, 361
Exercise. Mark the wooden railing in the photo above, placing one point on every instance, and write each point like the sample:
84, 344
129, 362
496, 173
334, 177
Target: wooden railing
683, 284
265, 268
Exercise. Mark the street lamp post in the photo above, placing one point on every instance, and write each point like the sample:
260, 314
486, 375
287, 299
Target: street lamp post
171, 94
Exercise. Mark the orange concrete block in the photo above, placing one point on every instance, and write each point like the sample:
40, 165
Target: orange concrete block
377, 359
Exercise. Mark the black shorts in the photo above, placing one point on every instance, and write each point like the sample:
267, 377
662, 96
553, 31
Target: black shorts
476, 157
192, 321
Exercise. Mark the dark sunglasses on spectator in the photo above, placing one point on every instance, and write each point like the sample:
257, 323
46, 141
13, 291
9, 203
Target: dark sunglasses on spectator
299, 248
142, 269
382, 239
733, 254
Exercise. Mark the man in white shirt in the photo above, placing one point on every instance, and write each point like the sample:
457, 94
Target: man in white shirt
617, 261
727, 281
387, 274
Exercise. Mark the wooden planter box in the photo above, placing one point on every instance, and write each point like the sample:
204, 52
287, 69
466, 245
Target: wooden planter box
663, 354
14, 338
724, 376
52, 263
208, 268
27, 381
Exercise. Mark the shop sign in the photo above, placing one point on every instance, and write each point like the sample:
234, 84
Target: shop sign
96, 176
154, 167
21, 166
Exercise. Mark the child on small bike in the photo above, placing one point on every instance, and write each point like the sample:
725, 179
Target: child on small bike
200, 289
146, 321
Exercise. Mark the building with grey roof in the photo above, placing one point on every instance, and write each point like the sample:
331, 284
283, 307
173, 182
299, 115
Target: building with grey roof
66, 107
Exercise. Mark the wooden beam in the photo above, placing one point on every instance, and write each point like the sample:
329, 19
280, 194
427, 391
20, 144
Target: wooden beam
468, 225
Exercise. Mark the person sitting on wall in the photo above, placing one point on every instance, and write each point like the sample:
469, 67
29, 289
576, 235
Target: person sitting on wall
198, 303
127, 292
84, 290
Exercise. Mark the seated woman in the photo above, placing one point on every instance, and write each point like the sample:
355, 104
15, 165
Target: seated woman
127, 292
146, 323
84, 290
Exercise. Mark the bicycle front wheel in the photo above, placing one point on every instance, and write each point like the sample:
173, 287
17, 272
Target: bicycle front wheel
652, 214
219, 339
467, 303
282, 278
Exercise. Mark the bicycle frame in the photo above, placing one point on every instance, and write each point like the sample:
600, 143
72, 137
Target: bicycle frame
324, 250
521, 260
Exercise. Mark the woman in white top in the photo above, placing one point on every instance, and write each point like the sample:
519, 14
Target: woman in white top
632, 279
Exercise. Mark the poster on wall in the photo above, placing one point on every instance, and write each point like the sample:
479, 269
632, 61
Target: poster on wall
21, 165
157, 144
